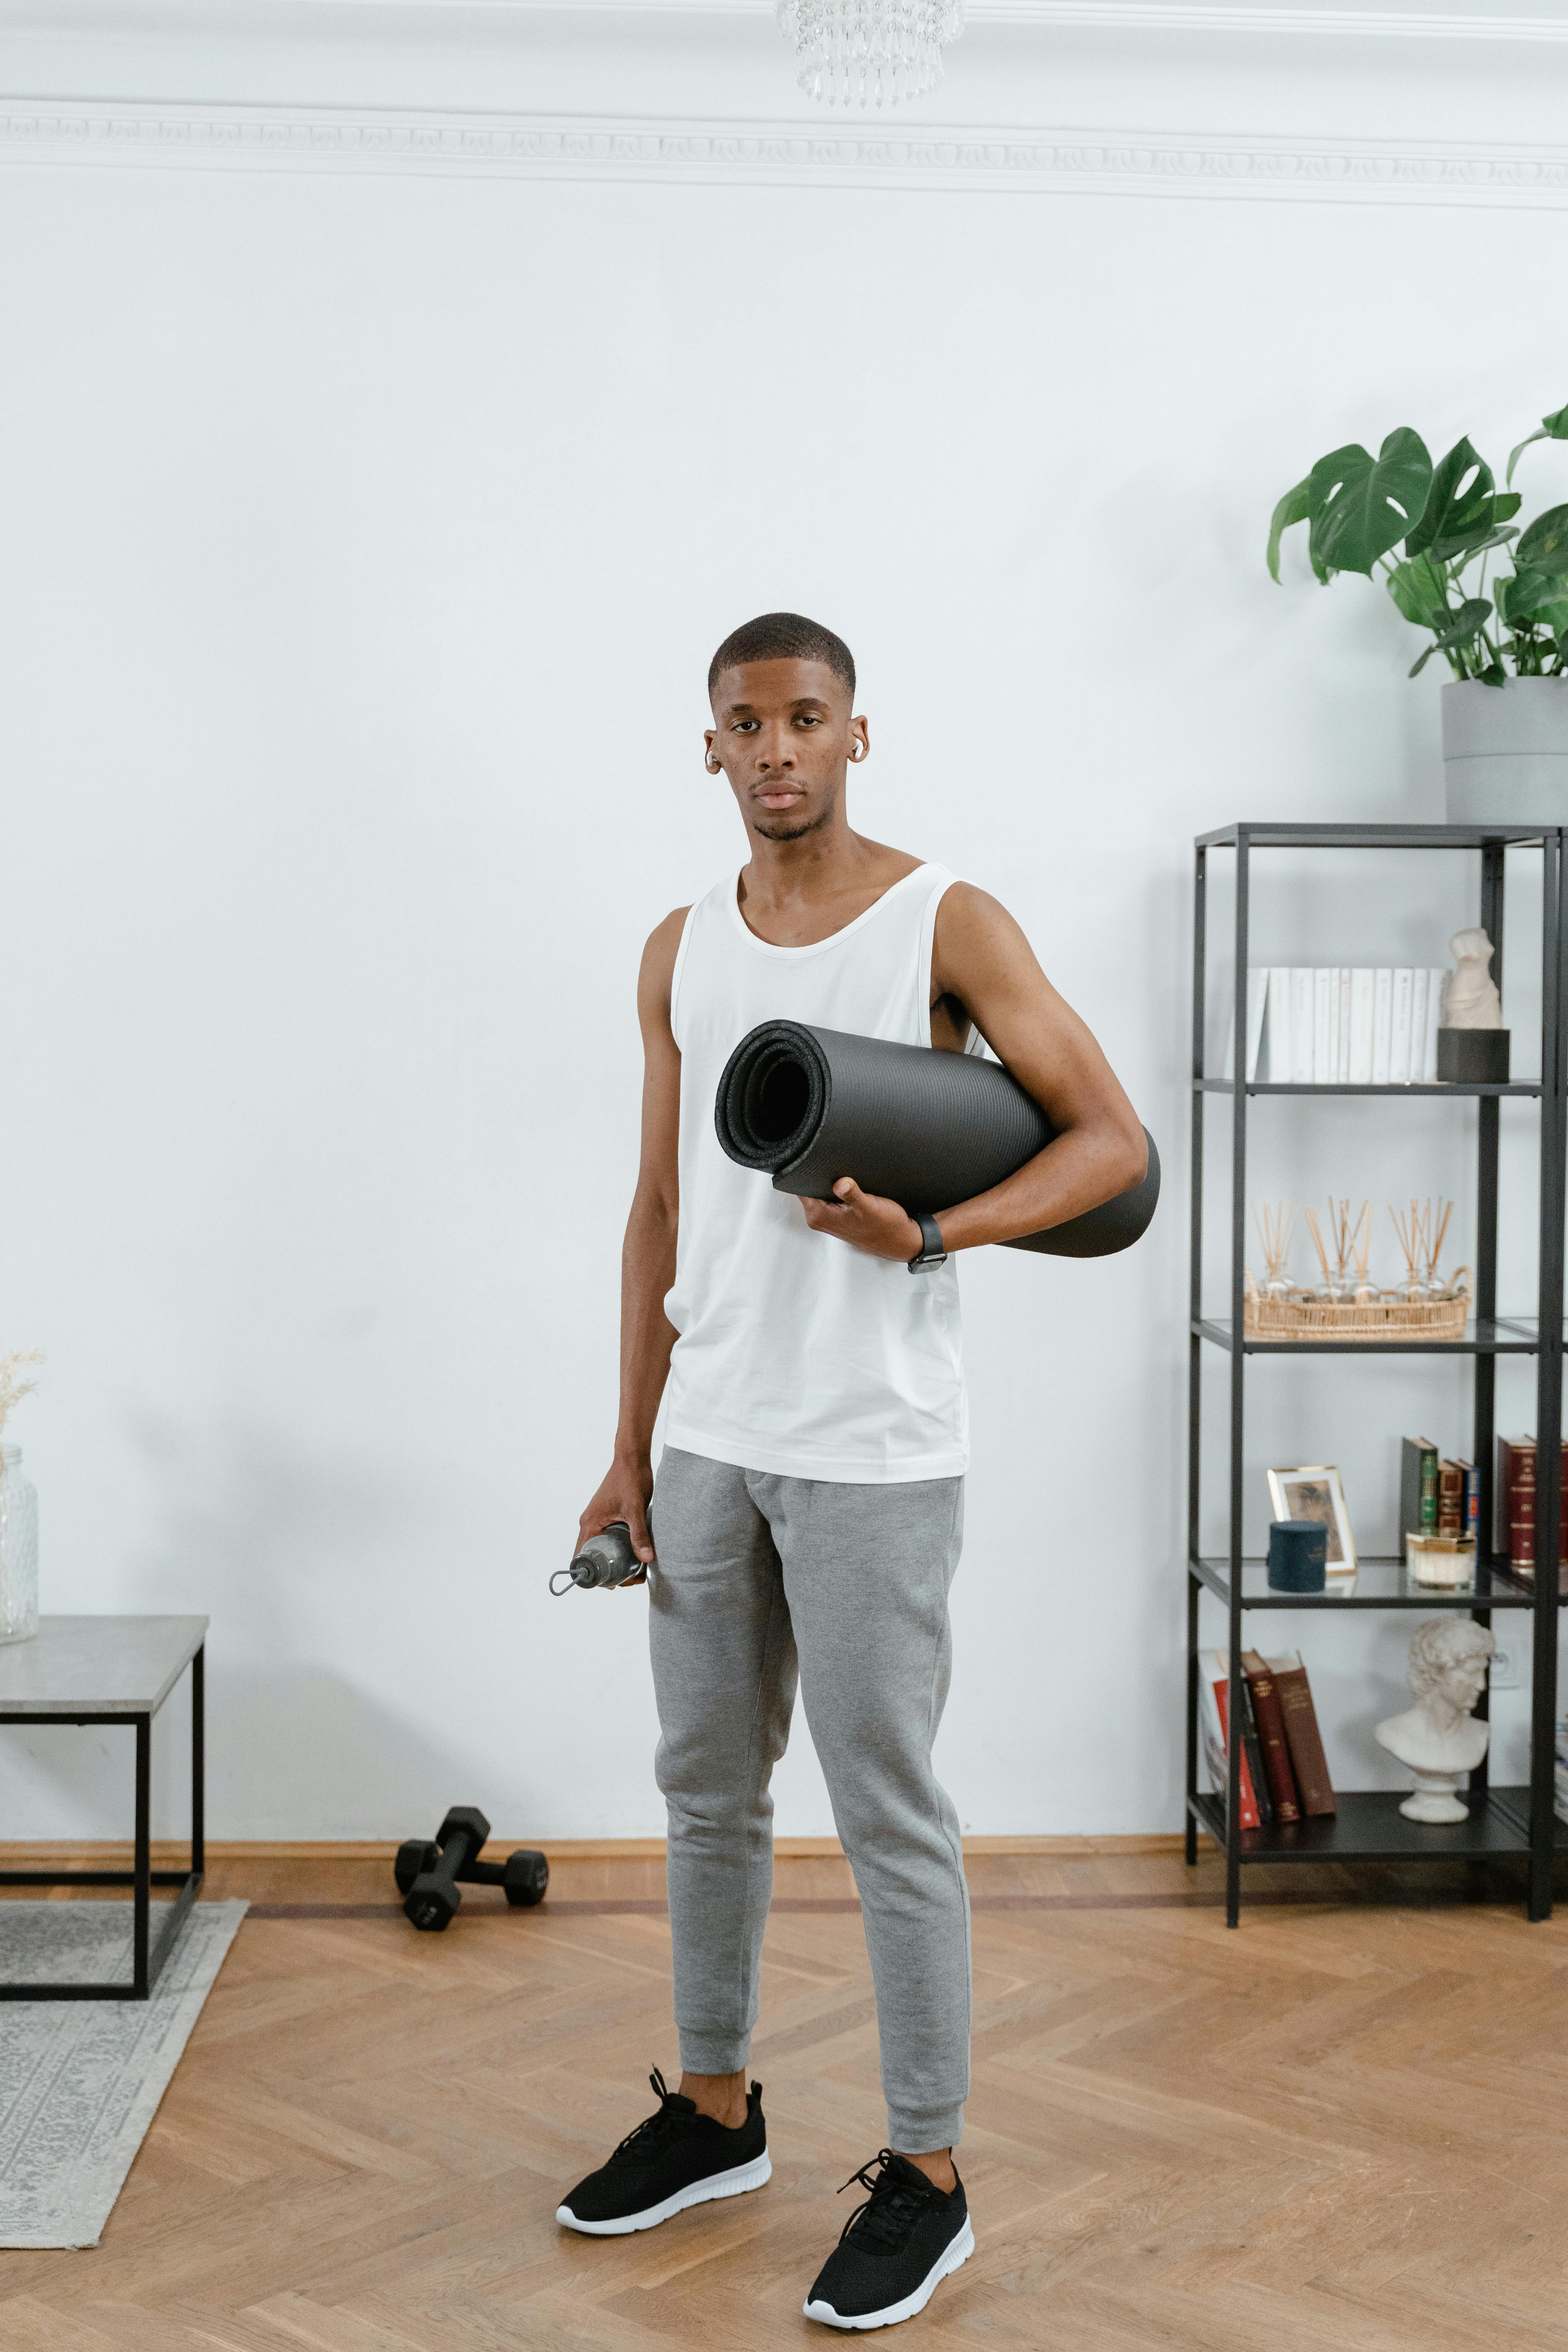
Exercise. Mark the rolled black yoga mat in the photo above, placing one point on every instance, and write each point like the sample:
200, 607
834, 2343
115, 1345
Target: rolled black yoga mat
806, 1106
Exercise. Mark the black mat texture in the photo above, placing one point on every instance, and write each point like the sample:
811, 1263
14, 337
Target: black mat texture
806, 1106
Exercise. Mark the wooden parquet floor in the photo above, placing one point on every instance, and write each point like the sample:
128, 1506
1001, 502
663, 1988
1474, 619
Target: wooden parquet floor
1343, 2128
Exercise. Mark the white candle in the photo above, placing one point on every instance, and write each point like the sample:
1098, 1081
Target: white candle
1444, 1562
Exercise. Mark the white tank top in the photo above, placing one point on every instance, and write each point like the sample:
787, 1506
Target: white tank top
798, 1354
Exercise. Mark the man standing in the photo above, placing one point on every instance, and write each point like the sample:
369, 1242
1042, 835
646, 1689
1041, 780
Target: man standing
809, 1503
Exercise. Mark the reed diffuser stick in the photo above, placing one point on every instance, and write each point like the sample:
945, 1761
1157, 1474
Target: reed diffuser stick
1406, 1235
1318, 1243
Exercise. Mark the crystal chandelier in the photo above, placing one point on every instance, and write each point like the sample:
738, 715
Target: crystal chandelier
865, 50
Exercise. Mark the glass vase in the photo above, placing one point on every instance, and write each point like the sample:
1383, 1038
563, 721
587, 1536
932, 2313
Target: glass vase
18, 1549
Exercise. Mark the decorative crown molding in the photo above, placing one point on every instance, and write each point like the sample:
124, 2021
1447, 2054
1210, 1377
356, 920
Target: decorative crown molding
561, 147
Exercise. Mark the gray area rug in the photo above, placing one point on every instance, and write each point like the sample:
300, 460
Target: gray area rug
81, 2080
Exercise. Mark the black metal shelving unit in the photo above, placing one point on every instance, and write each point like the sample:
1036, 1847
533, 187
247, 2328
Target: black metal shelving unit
1368, 1826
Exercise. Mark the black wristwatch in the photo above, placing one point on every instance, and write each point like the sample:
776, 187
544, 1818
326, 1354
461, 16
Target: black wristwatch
930, 1252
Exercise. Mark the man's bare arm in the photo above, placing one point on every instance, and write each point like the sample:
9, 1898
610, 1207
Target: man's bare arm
984, 970
647, 1256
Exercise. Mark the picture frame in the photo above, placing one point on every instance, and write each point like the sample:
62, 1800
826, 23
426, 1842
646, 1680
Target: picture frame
1315, 1491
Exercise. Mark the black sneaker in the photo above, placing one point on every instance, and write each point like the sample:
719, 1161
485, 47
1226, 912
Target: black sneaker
895, 2249
676, 2158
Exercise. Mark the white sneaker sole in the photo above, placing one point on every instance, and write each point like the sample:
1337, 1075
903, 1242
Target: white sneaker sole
952, 2259
733, 2183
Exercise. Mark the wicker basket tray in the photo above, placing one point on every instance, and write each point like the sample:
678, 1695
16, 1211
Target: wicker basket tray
1300, 1316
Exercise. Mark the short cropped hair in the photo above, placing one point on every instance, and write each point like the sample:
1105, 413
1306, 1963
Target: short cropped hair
784, 636
1441, 1643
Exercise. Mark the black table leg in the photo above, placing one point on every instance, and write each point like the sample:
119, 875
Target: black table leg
199, 1761
141, 1899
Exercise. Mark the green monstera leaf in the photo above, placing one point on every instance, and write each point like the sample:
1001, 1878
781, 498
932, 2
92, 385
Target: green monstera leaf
1294, 507
1552, 428
1420, 589
1362, 506
1460, 510
1528, 599
1544, 546
1467, 624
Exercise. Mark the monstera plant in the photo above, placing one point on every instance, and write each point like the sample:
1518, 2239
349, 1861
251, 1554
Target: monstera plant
1433, 531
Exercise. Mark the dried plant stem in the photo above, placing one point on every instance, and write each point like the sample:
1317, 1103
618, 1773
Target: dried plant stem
13, 1387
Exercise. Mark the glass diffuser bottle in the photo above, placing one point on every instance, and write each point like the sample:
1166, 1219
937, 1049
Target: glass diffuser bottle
18, 1549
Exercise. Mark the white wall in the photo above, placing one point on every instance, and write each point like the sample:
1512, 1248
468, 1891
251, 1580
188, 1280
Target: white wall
367, 532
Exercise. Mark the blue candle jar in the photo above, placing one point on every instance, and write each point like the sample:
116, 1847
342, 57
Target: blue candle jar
1298, 1556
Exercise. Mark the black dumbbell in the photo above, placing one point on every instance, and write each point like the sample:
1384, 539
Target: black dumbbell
427, 1871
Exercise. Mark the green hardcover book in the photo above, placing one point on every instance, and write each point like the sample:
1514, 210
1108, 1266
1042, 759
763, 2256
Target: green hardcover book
1418, 1489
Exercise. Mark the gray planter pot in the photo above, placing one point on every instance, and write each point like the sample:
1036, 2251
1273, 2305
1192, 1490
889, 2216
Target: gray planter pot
1505, 752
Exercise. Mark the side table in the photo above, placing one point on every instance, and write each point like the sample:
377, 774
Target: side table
113, 1670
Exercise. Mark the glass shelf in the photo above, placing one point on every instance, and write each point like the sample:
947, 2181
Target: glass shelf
1379, 1584
1373, 836
1416, 1087
1491, 1335
1370, 1827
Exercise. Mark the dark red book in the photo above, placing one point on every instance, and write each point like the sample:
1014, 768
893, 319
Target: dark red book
1270, 1719
1302, 1737
1515, 1505
1515, 1532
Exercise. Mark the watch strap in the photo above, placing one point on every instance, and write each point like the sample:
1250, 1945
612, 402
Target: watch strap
931, 1251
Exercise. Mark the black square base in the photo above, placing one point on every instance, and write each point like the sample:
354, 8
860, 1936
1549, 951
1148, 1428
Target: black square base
1473, 1057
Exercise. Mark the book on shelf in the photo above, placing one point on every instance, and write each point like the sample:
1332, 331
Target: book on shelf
1473, 1504
1514, 1503
1214, 1694
1269, 1717
1451, 1498
1280, 1029
1399, 1042
1359, 1071
1339, 1024
1381, 1025
1323, 997
1418, 1489
1252, 1748
1300, 1025
1309, 1764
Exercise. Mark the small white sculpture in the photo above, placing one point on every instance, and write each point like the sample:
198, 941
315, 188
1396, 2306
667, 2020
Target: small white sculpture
1438, 1738
1470, 1000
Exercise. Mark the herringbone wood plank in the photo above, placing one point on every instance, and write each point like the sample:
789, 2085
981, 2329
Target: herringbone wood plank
1339, 2131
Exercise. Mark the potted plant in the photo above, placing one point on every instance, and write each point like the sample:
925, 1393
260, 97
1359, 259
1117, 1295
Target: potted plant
1425, 527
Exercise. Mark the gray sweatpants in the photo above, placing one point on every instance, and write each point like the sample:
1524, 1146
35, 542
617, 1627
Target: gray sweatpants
761, 1581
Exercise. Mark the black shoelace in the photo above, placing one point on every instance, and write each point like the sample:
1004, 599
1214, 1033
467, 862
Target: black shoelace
655, 2130
893, 2209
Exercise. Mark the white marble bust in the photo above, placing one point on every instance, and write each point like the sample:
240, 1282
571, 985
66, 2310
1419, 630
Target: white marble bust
1439, 1737
1471, 1000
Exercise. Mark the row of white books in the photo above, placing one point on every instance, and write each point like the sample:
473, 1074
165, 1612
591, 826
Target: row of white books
1339, 1024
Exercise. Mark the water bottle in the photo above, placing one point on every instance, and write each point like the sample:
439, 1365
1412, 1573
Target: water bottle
605, 1558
